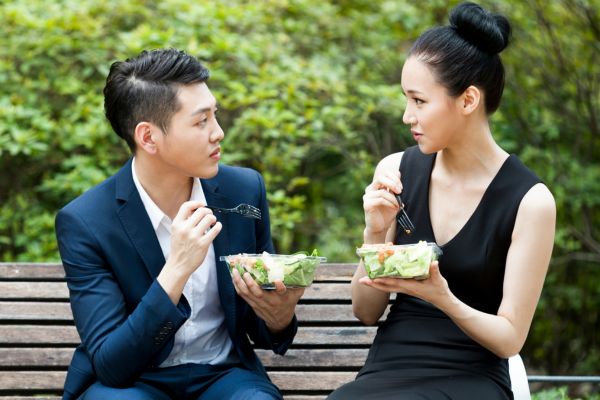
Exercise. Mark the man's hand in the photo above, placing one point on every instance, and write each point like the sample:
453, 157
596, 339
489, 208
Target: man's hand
275, 307
193, 230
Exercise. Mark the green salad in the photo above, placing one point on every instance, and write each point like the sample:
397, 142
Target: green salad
294, 270
401, 261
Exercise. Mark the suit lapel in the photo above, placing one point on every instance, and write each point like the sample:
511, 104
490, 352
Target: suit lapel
138, 227
222, 248
136, 222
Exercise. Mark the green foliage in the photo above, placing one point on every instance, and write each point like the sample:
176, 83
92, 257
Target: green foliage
552, 394
309, 95
560, 393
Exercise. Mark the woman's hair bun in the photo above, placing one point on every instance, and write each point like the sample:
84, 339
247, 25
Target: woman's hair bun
487, 31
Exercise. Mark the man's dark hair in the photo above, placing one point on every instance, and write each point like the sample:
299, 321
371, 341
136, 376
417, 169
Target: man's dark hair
144, 88
466, 52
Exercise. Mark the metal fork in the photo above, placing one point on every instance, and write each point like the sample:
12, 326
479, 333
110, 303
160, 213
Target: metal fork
245, 210
402, 218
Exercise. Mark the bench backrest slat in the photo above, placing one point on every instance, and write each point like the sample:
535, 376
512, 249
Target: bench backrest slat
55, 271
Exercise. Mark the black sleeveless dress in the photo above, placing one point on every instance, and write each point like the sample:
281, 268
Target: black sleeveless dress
419, 352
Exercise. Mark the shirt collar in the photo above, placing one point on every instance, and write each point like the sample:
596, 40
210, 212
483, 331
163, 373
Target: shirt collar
154, 212
197, 192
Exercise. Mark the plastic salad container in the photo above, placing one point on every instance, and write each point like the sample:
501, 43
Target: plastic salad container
294, 270
398, 261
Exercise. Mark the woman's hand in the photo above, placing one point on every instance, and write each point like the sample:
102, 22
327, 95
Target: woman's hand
433, 289
380, 204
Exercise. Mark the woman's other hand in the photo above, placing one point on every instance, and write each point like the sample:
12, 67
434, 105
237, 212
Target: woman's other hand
434, 289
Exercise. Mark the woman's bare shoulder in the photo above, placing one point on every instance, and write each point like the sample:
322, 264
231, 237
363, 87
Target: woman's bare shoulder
390, 162
539, 200
537, 210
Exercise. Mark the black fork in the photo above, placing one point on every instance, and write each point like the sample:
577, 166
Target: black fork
245, 210
405, 223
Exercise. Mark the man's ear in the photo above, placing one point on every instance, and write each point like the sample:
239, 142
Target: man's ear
470, 99
144, 137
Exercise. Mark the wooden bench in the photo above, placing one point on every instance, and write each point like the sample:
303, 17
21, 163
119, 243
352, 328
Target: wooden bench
37, 335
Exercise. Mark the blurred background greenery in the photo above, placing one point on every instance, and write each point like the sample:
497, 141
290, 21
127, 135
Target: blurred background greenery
309, 95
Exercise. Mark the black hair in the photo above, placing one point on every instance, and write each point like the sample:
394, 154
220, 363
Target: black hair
144, 88
466, 52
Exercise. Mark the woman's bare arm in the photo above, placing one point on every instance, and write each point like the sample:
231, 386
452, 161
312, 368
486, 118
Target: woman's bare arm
369, 304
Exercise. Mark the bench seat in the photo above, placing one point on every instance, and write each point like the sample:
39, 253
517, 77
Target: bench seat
37, 335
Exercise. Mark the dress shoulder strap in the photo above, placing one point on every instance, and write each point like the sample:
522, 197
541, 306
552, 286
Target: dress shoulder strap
413, 160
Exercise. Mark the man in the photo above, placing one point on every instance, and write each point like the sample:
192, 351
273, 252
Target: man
156, 310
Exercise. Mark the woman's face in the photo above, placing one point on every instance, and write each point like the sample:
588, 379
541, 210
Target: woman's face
433, 115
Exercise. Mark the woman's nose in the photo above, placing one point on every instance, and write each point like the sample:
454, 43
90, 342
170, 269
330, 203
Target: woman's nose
408, 117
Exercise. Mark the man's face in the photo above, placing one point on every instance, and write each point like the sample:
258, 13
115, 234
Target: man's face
191, 147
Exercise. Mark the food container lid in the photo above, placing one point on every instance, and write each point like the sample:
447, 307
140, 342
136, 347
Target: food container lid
371, 248
292, 257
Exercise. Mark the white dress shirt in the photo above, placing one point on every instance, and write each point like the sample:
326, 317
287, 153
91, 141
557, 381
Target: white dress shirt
203, 338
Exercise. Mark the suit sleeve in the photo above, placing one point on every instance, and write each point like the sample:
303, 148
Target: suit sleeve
120, 342
257, 328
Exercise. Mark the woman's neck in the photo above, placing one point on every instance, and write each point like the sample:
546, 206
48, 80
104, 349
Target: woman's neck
475, 154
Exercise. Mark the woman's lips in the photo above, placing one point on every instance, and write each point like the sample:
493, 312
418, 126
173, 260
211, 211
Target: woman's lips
416, 135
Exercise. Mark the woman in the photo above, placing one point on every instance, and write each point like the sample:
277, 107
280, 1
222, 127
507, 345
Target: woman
449, 336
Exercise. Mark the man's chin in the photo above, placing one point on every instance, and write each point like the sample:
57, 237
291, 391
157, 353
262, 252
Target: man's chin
209, 172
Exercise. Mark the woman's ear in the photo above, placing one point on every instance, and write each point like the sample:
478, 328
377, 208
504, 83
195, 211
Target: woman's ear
470, 100
144, 138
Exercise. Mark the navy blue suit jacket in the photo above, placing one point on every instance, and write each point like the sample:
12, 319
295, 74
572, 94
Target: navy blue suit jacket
112, 257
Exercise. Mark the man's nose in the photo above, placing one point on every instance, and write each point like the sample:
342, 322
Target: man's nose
217, 134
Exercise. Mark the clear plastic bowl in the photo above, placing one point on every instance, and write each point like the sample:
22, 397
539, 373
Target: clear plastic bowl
399, 261
294, 270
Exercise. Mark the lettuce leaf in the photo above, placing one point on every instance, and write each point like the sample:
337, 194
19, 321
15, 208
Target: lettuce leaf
406, 261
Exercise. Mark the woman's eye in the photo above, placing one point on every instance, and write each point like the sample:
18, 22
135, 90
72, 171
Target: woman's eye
418, 101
